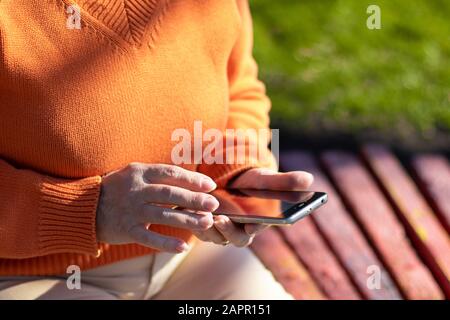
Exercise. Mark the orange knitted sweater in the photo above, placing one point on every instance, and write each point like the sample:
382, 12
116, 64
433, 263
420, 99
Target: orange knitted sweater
77, 103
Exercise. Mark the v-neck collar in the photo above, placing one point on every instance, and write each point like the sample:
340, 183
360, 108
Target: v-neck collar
128, 22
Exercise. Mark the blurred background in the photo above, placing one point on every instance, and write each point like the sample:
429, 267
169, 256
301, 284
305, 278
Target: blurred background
331, 78
368, 113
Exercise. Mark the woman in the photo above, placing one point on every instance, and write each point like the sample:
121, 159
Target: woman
90, 93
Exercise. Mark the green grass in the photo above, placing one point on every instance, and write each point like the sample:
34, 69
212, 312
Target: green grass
326, 71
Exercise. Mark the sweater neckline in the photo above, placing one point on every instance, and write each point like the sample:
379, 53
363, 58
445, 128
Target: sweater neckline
126, 22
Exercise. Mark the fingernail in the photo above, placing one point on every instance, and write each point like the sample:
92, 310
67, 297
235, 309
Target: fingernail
221, 225
208, 184
210, 203
206, 222
183, 247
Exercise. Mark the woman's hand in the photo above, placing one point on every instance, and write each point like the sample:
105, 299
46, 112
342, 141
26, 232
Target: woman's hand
225, 230
133, 198
267, 179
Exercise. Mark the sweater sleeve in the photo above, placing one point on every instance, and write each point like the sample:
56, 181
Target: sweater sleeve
41, 215
248, 106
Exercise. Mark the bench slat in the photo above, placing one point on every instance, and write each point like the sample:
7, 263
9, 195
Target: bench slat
427, 233
274, 253
433, 173
341, 232
321, 263
381, 225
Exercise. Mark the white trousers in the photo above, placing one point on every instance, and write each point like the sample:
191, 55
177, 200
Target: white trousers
208, 271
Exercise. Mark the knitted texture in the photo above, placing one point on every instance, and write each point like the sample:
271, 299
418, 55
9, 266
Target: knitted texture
76, 104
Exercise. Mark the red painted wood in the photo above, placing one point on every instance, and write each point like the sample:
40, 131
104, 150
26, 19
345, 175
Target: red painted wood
341, 232
431, 239
433, 173
381, 225
272, 250
320, 261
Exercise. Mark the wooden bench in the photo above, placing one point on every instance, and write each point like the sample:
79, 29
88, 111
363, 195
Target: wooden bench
382, 216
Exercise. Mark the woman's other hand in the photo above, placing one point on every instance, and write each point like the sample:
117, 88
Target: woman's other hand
140, 194
225, 231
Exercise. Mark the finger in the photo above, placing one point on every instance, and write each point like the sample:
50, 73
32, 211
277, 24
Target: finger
272, 180
201, 235
177, 176
253, 229
210, 235
232, 232
175, 218
165, 194
140, 234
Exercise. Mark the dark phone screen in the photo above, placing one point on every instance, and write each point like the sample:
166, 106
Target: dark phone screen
270, 204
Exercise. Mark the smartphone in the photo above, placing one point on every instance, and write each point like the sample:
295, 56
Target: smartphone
266, 206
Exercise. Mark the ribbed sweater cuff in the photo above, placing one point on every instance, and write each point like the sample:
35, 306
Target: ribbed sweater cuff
223, 173
67, 216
